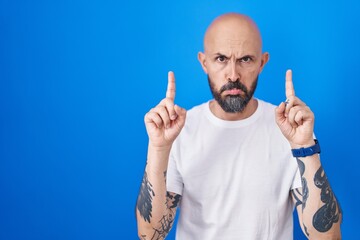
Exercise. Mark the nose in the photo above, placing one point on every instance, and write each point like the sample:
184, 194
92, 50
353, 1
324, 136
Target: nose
233, 74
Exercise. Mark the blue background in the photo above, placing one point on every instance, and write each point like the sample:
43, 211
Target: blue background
77, 77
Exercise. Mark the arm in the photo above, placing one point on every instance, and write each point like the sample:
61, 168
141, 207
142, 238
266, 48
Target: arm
155, 207
318, 209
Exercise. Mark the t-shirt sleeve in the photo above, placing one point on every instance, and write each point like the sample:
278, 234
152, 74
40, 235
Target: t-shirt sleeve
297, 180
174, 182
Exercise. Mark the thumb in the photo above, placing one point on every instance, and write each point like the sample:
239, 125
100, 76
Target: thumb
181, 113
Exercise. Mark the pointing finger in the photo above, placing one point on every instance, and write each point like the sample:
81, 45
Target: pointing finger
170, 92
289, 87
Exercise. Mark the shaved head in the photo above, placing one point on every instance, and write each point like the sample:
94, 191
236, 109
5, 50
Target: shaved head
232, 28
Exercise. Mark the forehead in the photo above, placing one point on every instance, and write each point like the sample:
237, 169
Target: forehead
231, 46
232, 35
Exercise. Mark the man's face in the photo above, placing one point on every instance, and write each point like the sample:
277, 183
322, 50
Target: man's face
233, 74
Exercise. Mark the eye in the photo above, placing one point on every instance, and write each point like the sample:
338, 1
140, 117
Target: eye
221, 59
246, 59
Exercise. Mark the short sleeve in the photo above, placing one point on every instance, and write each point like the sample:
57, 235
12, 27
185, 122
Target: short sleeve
174, 182
297, 180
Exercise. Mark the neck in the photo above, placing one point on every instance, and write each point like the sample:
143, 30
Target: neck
250, 108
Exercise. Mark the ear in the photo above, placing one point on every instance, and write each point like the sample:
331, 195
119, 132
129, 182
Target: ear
201, 58
264, 59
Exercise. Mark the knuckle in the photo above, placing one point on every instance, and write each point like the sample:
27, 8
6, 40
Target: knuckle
159, 108
162, 110
168, 101
163, 102
147, 115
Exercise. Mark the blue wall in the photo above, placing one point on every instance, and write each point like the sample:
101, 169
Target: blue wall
77, 77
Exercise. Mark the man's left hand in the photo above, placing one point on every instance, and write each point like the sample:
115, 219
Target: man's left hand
294, 118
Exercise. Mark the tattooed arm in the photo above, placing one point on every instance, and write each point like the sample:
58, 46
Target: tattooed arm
156, 208
318, 209
158, 224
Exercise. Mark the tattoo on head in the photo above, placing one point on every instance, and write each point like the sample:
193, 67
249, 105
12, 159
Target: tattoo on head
144, 202
328, 214
304, 184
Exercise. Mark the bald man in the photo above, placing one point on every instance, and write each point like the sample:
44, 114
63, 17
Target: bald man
237, 166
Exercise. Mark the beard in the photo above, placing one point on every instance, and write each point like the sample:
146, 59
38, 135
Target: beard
233, 103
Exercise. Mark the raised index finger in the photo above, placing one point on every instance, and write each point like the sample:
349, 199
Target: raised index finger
170, 92
289, 86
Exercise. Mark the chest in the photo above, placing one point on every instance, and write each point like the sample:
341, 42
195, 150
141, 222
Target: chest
251, 165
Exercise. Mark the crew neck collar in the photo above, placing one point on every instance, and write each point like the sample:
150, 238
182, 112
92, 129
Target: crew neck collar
237, 123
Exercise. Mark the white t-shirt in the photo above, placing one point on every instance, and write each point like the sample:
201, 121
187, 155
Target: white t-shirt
235, 177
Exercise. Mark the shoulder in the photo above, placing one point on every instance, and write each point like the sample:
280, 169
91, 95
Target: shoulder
198, 108
267, 119
267, 106
269, 123
195, 113
195, 118
267, 109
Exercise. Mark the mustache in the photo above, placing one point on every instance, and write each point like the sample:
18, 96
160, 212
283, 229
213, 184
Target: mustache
234, 85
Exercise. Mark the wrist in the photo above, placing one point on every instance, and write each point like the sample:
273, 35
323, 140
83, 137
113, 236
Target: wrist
305, 144
306, 151
158, 158
159, 149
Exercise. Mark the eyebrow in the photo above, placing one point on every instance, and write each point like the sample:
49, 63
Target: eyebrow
224, 55
220, 54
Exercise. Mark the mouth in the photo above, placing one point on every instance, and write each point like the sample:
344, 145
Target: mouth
234, 91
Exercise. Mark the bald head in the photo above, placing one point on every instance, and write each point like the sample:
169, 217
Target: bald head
233, 29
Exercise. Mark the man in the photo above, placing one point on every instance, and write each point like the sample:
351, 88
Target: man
235, 165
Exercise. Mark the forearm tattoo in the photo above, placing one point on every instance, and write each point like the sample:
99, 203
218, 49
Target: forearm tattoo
174, 199
305, 188
166, 222
144, 202
306, 231
328, 214
144, 205
297, 195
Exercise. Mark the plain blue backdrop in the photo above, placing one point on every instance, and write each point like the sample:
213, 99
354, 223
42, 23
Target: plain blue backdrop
77, 77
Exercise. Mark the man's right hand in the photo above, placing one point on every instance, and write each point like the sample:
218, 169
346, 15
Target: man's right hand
165, 121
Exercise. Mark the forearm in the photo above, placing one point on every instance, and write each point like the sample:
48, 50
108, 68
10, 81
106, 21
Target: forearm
154, 217
321, 213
